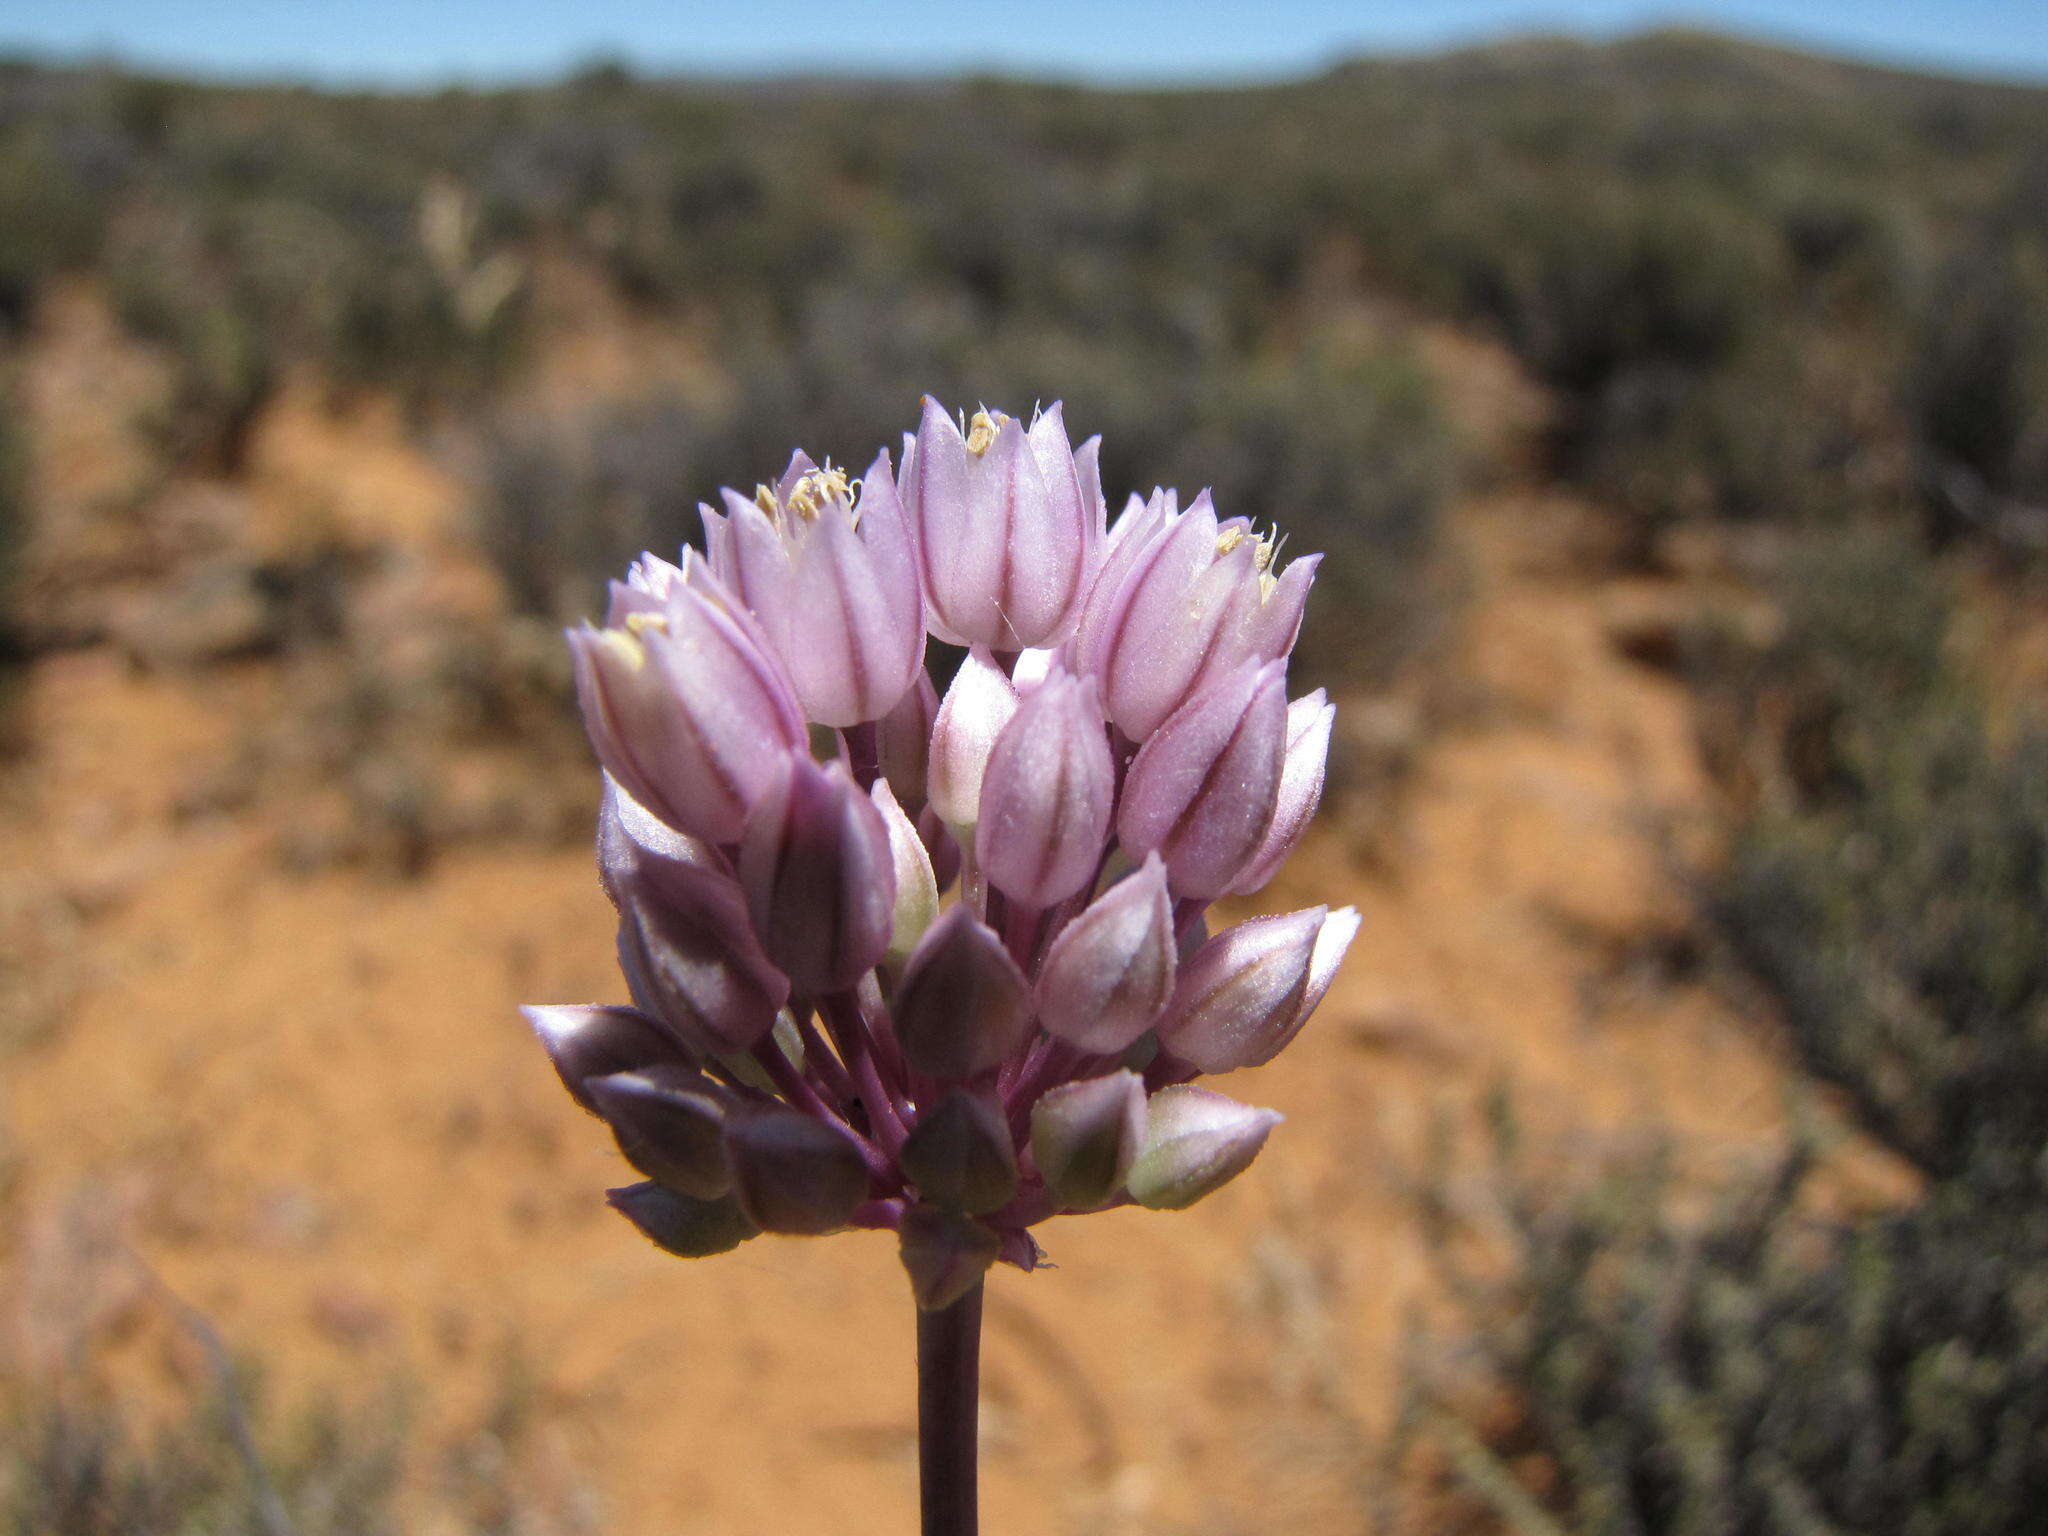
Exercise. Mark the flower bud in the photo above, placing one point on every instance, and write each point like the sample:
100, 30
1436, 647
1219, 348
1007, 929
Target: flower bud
1246, 993
819, 877
972, 715
686, 1227
691, 959
1086, 1135
903, 741
1006, 521
684, 707
946, 1254
1301, 787
917, 890
1047, 795
940, 847
1195, 1143
670, 1124
962, 1006
793, 1173
1110, 972
1202, 790
833, 584
585, 1041
959, 1154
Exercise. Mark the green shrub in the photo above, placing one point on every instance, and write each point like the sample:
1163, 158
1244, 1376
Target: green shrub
1760, 1371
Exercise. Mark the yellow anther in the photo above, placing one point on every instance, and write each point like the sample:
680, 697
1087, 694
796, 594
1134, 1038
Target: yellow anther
1228, 540
624, 644
981, 432
815, 489
1262, 557
636, 622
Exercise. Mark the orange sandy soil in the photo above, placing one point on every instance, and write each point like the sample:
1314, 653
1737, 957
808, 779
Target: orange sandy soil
307, 1102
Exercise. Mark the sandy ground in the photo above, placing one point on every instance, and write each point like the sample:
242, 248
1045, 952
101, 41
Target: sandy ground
306, 1101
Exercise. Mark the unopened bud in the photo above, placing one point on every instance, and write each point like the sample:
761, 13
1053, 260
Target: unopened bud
686, 1227
670, 1124
946, 1254
917, 889
1301, 785
793, 1173
1110, 973
1086, 1135
962, 1005
959, 1154
1246, 993
1195, 1143
1047, 795
971, 716
1202, 789
819, 877
586, 1041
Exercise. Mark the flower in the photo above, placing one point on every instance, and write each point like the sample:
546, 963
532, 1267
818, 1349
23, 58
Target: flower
936, 960
826, 565
1007, 520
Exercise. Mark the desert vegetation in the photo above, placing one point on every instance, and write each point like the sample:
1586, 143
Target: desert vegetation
323, 411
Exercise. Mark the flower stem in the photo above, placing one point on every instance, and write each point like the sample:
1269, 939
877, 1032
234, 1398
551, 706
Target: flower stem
948, 1414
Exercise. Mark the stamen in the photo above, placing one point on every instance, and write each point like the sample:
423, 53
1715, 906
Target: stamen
981, 432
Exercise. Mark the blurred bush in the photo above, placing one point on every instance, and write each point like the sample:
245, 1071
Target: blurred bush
1762, 286
1759, 1371
1767, 1367
81, 1465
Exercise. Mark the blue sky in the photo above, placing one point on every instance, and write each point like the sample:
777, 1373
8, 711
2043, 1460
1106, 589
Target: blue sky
412, 42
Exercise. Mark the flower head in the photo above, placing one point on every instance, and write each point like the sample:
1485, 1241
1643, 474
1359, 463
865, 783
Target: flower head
935, 959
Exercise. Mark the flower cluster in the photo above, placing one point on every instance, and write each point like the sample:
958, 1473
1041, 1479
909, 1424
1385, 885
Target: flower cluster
940, 963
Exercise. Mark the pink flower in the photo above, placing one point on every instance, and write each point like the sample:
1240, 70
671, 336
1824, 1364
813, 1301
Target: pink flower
935, 960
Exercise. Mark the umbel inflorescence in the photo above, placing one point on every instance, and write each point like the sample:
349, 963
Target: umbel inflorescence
940, 964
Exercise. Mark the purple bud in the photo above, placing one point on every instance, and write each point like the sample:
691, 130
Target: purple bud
819, 877
683, 707
586, 1041
903, 741
1047, 795
1004, 527
946, 1254
1109, 974
1195, 1143
1086, 1135
972, 715
1246, 993
793, 1173
685, 941
962, 1006
670, 1124
917, 889
686, 1227
1202, 790
1301, 787
941, 846
959, 1154
833, 584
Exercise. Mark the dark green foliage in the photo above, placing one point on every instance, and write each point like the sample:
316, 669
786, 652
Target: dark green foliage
1893, 898
1762, 1369
1764, 1372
